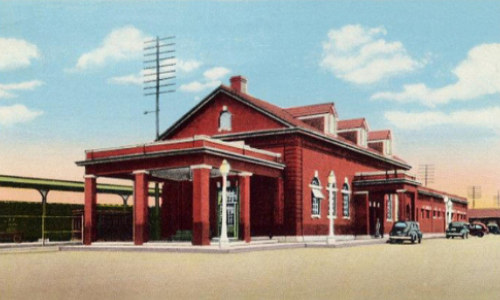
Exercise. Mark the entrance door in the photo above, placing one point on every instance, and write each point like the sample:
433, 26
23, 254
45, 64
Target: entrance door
232, 209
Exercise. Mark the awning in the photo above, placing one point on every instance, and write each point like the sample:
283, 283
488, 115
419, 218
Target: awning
317, 193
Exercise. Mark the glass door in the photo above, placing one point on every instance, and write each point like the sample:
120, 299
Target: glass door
232, 209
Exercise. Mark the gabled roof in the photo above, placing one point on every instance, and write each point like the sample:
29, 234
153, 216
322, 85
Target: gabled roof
484, 213
379, 135
271, 108
275, 112
352, 124
282, 116
314, 109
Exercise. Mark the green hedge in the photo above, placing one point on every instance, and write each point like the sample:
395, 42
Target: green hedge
25, 217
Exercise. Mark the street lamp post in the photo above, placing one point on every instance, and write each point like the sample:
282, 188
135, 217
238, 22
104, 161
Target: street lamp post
224, 170
332, 191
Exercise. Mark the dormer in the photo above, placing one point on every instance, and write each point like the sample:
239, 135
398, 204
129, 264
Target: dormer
381, 141
354, 130
320, 116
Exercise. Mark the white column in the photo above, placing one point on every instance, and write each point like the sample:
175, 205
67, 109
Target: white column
224, 170
331, 190
223, 233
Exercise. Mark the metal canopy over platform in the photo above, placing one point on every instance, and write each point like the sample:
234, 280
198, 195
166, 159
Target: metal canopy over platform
62, 185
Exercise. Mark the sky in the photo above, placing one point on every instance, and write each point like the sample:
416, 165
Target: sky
70, 76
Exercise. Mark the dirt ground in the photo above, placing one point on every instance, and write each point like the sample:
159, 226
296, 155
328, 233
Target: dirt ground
436, 269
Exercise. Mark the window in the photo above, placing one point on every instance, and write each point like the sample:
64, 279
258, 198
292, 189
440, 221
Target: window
225, 120
345, 199
389, 207
316, 196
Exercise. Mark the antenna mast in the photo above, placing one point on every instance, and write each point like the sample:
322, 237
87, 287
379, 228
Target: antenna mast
159, 72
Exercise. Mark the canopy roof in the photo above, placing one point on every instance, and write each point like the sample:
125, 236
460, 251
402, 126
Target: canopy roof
62, 185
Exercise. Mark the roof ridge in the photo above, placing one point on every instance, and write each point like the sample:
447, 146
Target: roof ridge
316, 104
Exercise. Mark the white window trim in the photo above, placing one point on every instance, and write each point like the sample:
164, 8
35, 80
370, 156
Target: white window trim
348, 201
224, 111
390, 198
317, 188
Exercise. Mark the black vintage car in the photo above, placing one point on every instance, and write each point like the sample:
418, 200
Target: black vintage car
478, 229
493, 228
405, 231
460, 229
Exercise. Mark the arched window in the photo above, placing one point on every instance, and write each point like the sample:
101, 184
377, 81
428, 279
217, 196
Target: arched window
316, 196
225, 120
346, 194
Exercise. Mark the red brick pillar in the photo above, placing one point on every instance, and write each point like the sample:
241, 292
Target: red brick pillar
90, 211
201, 204
366, 203
401, 205
245, 205
141, 189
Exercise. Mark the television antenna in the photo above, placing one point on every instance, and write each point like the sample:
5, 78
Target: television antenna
159, 71
159, 75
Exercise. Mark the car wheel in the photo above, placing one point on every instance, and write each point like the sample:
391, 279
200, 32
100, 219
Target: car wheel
463, 236
453, 237
480, 234
447, 236
413, 239
419, 240
467, 235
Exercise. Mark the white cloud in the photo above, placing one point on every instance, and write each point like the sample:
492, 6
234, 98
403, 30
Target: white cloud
485, 117
215, 73
211, 79
187, 66
184, 66
197, 86
5, 89
16, 53
17, 113
478, 75
135, 79
121, 44
356, 54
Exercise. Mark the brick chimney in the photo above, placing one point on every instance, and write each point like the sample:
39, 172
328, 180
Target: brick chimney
239, 84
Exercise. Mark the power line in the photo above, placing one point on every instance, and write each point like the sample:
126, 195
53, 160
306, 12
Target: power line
426, 173
474, 191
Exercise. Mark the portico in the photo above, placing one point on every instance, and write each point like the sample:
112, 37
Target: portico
189, 171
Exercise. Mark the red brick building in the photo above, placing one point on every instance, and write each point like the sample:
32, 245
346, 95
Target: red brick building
281, 160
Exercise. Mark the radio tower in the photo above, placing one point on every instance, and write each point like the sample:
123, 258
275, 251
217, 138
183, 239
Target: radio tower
159, 73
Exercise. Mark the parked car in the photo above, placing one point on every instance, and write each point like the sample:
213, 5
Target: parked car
460, 229
493, 228
478, 229
405, 231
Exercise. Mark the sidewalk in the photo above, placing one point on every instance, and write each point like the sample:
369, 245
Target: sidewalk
186, 247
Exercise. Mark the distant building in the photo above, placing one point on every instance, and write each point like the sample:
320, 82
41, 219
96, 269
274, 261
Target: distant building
485, 215
281, 159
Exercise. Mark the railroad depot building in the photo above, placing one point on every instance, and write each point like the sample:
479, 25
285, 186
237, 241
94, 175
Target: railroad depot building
285, 165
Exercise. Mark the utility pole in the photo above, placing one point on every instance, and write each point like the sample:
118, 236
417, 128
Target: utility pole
162, 67
497, 197
475, 193
426, 173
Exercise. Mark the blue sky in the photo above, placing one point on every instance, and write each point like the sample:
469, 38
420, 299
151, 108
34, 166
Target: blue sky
426, 69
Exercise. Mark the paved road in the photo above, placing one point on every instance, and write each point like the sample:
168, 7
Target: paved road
436, 269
